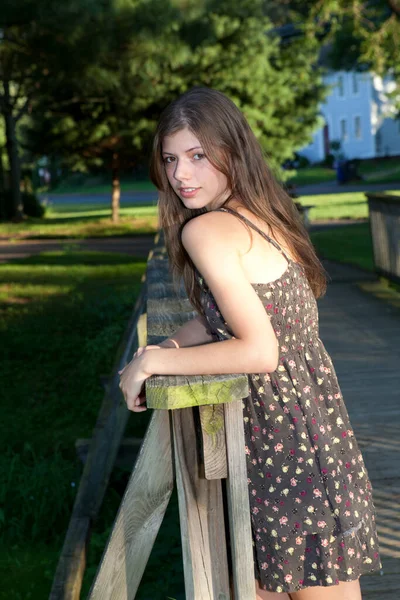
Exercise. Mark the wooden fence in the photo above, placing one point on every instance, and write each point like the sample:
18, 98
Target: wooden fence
384, 212
195, 438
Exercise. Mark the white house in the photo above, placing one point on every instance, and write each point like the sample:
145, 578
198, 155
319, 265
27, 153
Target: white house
356, 112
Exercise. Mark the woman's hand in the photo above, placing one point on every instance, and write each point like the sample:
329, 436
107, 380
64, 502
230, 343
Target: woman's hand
132, 380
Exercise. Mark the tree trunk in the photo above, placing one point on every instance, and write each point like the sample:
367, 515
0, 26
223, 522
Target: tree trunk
116, 188
3, 215
16, 208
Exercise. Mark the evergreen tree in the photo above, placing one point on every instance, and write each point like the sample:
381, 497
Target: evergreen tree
363, 33
230, 46
42, 45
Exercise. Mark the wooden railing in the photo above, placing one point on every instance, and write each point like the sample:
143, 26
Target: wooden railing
384, 212
200, 444
99, 462
194, 438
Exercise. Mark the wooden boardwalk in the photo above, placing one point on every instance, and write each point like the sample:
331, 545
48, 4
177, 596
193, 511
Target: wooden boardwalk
362, 335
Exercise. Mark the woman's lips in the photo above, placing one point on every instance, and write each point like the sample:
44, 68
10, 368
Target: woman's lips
188, 194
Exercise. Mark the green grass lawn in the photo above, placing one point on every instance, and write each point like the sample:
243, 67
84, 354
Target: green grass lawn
371, 170
350, 205
99, 184
313, 174
376, 171
62, 315
83, 221
349, 244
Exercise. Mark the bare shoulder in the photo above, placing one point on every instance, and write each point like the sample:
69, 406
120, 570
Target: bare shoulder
212, 227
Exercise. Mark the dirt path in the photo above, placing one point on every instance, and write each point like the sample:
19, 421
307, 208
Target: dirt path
136, 246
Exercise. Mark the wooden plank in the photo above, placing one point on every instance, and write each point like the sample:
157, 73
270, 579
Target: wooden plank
179, 391
72, 562
380, 583
201, 517
139, 517
238, 504
167, 324
213, 438
103, 449
168, 306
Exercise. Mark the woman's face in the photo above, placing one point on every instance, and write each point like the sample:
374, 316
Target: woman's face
187, 167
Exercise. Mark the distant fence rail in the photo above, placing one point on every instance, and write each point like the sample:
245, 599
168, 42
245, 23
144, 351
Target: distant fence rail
384, 212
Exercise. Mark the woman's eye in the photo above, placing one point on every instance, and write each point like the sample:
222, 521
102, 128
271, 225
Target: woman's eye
166, 159
199, 154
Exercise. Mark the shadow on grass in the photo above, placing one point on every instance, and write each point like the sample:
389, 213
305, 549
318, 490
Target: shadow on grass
69, 270
54, 349
80, 207
78, 257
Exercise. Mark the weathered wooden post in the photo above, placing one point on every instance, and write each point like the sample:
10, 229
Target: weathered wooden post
384, 213
196, 434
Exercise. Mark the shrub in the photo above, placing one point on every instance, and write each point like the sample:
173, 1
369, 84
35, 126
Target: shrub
31, 205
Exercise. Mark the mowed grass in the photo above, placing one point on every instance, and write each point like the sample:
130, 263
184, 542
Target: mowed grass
350, 244
84, 221
376, 171
94, 220
62, 315
333, 207
313, 174
371, 170
99, 184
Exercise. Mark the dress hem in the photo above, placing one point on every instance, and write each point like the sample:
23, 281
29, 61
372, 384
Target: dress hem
293, 589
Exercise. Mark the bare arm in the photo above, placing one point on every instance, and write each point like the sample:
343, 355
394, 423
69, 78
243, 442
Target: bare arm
254, 347
193, 333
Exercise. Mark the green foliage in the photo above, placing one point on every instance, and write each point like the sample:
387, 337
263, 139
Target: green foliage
109, 116
32, 205
364, 34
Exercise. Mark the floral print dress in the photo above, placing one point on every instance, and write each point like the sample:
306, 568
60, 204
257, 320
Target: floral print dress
312, 514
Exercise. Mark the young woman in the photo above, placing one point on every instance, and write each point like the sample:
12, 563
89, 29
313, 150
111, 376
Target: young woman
312, 513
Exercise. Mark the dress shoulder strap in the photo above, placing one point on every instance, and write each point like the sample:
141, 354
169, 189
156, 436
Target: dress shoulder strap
264, 235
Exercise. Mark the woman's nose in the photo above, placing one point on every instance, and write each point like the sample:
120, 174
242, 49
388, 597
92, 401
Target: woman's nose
182, 171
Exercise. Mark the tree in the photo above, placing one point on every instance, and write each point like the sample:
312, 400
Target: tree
42, 47
363, 32
230, 46
238, 50
106, 118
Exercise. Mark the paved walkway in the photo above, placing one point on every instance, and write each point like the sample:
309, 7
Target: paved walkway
129, 198
334, 188
137, 246
362, 335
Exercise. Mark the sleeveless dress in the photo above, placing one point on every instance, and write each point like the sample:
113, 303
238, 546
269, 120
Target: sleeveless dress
312, 514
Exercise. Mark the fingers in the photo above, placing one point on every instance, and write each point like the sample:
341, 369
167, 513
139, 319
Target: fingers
136, 405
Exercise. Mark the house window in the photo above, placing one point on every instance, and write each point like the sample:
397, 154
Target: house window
340, 86
357, 127
355, 83
343, 130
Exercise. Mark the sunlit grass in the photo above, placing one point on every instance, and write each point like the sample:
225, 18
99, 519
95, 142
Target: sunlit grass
94, 220
350, 205
84, 221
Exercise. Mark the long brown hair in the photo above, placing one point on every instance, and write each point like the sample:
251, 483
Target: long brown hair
231, 147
